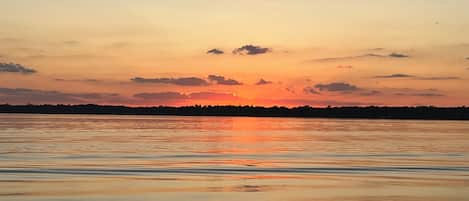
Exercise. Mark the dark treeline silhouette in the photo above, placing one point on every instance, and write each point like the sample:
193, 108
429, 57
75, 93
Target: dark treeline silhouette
370, 112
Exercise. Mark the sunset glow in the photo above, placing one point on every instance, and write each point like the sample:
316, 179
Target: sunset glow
289, 53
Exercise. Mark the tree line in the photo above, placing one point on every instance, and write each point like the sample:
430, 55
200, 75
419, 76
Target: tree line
369, 112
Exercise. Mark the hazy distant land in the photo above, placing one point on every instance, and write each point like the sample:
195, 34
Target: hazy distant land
370, 112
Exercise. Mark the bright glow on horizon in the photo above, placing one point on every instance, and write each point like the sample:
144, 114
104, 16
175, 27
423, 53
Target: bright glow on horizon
306, 52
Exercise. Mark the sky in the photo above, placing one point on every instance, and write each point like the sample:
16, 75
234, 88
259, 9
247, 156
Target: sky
245, 52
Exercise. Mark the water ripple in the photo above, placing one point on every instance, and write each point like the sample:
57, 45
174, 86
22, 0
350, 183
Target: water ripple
310, 170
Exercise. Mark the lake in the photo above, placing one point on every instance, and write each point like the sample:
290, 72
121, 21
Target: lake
137, 158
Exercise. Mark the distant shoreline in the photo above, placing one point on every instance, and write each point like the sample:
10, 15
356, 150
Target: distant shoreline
369, 112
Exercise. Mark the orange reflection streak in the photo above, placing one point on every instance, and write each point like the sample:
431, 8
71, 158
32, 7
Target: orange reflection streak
244, 136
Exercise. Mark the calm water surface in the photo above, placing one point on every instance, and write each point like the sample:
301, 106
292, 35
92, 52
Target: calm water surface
92, 157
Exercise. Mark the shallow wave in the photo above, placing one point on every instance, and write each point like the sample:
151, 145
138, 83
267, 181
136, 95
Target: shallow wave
311, 170
298, 155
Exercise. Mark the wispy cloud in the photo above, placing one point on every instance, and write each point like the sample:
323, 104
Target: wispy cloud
438, 78
188, 81
73, 57
263, 82
183, 81
371, 93
310, 90
370, 55
327, 59
337, 87
161, 96
77, 80
398, 55
23, 95
290, 90
399, 75
215, 51
212, 96
221, 80
251, 50
172, 97
15, 68
420, 94
299, 102
412, 92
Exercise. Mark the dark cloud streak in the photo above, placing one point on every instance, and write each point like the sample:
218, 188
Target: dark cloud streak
370, 55
394, 76
184, 81
23, 95
371, 93
15, 68
221, 80
310, 90
398, 55
161, 96
251, 50
78, 80
399, 75
215, 51
336, 87
263, 82
420, 94
346, 58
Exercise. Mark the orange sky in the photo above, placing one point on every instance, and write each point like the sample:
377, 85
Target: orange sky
306, 52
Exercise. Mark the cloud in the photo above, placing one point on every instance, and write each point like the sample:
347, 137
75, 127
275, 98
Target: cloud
438, 78
161, 96
310, 90
177, 98
290, 89
416, 77
327, 59
430, 92
394, 76
370, 93
337, 87
300, 102
370, 55
73, 57
263, 82
420, 94
398, 55
212, 96
77, 80
215, 52
188, 81
15, 68
223, 81
251, 50
345, 66
184, 81
23, 96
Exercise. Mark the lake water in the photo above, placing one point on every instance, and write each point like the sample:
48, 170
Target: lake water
101, 157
